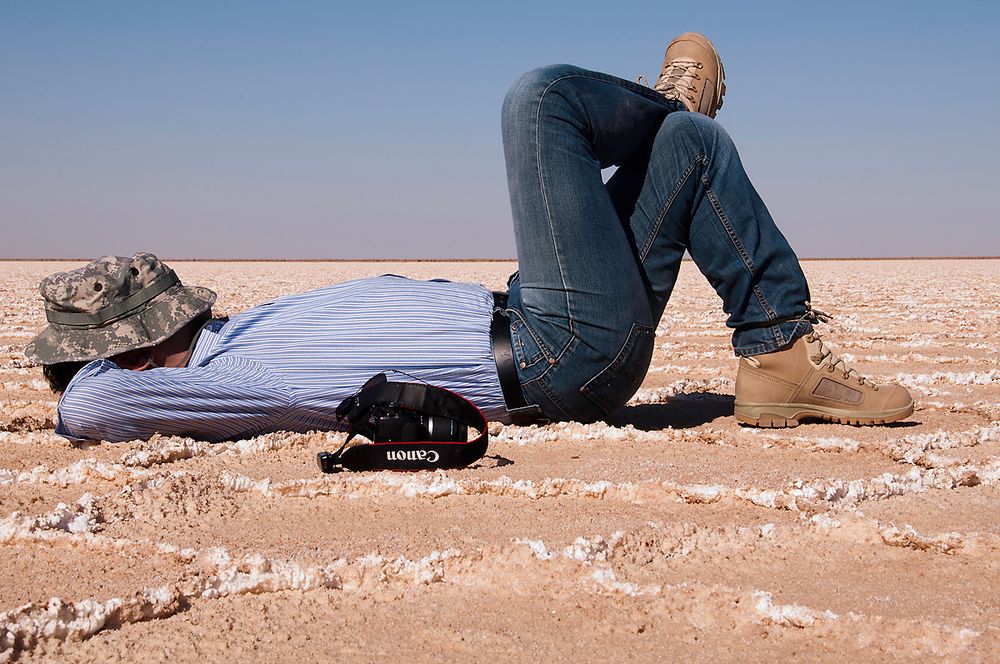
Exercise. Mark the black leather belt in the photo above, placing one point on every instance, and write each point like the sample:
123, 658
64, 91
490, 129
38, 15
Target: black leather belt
503, 352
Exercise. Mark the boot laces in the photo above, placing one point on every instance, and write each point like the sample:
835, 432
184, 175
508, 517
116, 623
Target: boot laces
826, 356
678, 79
814, 316
823, 356
833, 362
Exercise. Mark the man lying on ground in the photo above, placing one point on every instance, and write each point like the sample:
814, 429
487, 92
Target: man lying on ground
136, 353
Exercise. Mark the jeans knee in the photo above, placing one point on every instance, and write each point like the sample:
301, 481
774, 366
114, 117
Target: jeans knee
528, 89
698, 133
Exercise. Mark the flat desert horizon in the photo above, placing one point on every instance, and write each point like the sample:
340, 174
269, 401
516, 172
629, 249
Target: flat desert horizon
668, 533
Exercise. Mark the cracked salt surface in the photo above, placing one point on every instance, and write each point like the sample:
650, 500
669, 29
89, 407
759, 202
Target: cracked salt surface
60, 620
857, 528
612, 573
161, 450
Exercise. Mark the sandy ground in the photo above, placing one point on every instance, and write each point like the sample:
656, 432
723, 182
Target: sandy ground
672, 532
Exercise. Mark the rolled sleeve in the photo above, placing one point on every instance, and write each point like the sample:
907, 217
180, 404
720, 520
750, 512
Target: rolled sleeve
228, 398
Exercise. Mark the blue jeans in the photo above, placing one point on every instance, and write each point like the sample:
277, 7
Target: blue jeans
597, 262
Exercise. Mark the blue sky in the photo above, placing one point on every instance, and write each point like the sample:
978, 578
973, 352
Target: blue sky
319, 130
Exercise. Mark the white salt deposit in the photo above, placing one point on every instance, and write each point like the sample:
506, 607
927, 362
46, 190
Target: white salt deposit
82, 471
14, 385
789, 615
537, 547
835, 491
593, 549
608, 580
75, 621
953, 378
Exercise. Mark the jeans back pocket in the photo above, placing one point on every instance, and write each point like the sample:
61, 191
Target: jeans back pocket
618, 381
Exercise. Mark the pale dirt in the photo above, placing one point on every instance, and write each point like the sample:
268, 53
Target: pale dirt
671, 533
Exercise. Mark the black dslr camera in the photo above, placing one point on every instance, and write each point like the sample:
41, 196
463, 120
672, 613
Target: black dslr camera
412, 426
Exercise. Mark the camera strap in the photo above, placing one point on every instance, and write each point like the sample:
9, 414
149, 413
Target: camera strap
379, 397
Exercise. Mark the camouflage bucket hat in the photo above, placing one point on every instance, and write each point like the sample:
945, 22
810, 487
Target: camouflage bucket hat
113, 305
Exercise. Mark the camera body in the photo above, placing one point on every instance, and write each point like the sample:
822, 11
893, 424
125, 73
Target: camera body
412, 426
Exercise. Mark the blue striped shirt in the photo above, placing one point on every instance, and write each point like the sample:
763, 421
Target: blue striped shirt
286, 365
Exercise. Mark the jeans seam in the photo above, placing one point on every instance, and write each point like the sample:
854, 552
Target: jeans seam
616, 364
529, 361
545, 197
771, 314
543, 386
726, 226
608, 78
554, 359
669, 202
720, 213
743, 253
538, 160
543, 349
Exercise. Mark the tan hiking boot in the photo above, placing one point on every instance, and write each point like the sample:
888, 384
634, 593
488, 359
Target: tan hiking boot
806, 380
693, 74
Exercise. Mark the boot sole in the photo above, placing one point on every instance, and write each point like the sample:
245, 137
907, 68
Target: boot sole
778, 415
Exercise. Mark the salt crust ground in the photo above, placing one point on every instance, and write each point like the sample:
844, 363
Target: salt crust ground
671, 532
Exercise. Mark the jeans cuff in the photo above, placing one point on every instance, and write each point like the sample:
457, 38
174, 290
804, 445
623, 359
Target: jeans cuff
760, 340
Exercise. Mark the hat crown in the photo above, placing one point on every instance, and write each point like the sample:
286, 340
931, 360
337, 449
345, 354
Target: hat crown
101, 283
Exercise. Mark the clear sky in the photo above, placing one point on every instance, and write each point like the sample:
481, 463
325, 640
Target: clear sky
371, 130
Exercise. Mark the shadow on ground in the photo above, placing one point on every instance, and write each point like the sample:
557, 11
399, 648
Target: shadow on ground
687, 411
684, 411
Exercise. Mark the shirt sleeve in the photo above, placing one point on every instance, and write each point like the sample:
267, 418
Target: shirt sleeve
228, 398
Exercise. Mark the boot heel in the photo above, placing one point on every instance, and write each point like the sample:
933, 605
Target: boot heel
765, 416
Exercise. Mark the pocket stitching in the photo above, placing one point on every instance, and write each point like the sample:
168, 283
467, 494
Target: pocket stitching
609, 373
543, 351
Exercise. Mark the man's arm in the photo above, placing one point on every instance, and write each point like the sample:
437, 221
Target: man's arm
231, 397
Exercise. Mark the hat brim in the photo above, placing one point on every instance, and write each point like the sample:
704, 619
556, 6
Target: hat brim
160, 319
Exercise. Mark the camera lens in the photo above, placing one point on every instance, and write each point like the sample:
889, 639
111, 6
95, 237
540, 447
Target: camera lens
412, 427
444, 429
